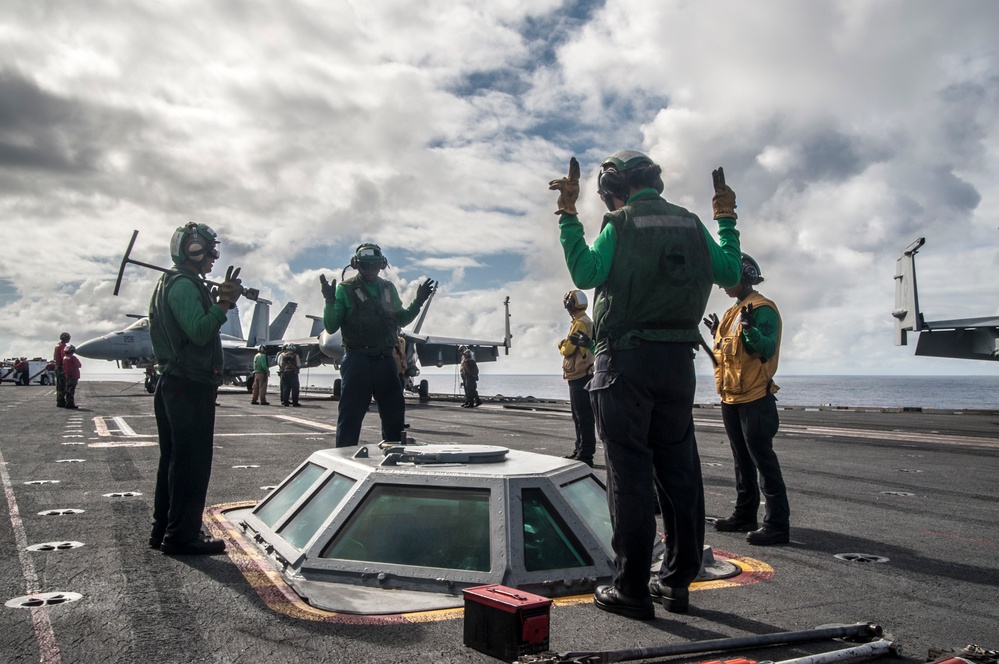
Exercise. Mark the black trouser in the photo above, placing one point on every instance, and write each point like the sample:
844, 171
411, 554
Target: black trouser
643, 400
185, 420
751, 428
363, 376
289, 387
472, 392
60, 387
582, 418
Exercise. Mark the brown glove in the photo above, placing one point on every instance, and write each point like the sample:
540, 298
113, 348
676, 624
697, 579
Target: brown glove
568, 188
723, 202
232, 287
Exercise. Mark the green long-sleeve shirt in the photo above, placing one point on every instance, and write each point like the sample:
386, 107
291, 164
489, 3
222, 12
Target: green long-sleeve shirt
590, 266
762, 337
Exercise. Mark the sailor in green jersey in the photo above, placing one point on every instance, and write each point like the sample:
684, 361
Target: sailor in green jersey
261, 372
369, 313
184, 322
652, 267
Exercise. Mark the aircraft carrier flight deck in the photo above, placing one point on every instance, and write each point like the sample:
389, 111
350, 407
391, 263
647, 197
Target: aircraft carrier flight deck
894, 520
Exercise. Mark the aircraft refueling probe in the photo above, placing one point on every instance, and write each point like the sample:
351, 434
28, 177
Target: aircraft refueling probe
249, 293
859, 632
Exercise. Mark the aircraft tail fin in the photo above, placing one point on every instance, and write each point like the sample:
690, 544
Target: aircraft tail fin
232, 327
280, 323
423, 314
317, 325
906, 313
259, 324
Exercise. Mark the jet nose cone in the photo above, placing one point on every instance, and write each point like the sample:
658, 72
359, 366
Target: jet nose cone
95, 349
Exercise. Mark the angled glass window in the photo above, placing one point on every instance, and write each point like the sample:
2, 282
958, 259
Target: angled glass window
299, 529
275, 505
548, 542
589, 499
417, 525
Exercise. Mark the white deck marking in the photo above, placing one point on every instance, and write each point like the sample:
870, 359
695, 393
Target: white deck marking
873, 434
310, 423
48, 649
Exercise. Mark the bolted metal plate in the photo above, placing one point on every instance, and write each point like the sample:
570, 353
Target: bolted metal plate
62, 512
42, 482
122, 494
37, 600
861, 558
55, 546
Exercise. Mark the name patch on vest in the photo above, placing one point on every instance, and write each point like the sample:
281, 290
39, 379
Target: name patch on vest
664, 221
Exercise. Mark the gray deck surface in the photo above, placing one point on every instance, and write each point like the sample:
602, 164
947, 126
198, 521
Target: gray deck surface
849, 475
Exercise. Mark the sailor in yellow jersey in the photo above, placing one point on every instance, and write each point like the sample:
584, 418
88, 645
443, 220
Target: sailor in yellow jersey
747, 348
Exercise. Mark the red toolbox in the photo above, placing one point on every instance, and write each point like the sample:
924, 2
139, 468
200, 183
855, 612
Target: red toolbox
505, 622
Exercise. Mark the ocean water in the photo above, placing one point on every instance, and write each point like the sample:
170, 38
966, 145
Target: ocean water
957, 392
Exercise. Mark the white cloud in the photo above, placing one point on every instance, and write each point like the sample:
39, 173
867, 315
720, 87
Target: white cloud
298, 129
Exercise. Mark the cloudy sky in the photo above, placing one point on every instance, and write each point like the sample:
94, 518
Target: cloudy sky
298, 129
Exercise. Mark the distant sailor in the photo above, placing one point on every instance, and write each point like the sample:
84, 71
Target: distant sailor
369, 312
747, 348
184, 322
60, 376
288, 368
577, 367
260, 374
71, 370
469, 372
652, 266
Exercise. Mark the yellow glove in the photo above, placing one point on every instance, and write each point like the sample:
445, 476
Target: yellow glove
568, 189
723, 202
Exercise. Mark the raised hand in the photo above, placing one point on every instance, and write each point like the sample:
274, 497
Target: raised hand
723, 202
711, 322
568, 188
329, 288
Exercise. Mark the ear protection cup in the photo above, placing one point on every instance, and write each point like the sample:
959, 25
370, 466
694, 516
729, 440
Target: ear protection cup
193, 245
192, 241
613, 184
573, 300
750, 271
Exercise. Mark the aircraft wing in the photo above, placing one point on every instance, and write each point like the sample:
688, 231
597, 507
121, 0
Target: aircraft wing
439, 351
961, 338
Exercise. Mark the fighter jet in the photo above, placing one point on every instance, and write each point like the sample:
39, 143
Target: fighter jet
132, 348
966, 338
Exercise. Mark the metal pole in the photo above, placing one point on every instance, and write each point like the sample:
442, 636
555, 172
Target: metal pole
876, 649
248, 293
860, 630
